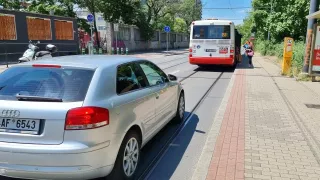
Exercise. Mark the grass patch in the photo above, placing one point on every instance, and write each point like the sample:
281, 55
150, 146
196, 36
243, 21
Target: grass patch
269, 48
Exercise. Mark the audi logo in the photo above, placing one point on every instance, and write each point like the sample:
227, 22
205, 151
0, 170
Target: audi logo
10, 113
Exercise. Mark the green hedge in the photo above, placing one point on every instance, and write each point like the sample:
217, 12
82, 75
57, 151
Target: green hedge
276, 49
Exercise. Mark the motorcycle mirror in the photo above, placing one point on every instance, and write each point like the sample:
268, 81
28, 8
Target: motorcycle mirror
38, 42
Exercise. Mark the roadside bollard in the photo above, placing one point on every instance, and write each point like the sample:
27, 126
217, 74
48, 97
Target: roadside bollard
83, 51
94, 51
100, 50
127, 51
117, 50
112, 50
122, 51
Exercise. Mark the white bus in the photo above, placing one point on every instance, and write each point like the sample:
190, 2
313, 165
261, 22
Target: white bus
214, 42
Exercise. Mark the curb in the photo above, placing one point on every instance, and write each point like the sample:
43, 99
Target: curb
201, 169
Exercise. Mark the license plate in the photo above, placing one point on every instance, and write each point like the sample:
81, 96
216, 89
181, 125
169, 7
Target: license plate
23, 126
211, 50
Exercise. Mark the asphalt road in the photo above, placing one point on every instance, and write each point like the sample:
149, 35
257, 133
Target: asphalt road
174, 152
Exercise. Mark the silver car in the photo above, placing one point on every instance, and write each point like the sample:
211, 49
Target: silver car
83, 117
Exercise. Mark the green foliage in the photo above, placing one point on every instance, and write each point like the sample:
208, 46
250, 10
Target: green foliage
180, 26
276, 49
189, 12
148, 15
10, 4
246, 28
286, 20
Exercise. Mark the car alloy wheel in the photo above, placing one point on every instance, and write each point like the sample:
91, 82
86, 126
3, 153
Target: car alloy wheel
131, 157
181, 107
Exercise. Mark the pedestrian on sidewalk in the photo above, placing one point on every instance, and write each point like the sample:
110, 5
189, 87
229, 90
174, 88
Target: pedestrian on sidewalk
246, 47
250, 55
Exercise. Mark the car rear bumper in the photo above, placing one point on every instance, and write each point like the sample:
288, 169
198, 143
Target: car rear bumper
84, 165
74, 172
211, 60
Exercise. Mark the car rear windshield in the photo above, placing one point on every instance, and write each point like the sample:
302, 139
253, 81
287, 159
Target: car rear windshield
67, 84
211, 32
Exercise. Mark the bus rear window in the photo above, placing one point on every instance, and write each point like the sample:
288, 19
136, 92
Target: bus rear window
211, 32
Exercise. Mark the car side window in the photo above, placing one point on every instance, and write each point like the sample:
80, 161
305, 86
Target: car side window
154, 74
126, 79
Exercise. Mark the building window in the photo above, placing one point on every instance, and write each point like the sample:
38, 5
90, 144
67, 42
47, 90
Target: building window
100, 18
8, 27
39, 28
64, 30
101, 28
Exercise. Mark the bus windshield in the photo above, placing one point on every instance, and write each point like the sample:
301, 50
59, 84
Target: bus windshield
211, 32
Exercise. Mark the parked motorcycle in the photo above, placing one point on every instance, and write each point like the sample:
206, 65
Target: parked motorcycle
33, 53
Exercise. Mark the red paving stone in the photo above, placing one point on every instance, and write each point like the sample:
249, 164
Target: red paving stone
228, 158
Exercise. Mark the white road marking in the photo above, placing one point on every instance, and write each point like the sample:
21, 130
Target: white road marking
174, 72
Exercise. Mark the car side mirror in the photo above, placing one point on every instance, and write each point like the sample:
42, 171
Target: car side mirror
172, 77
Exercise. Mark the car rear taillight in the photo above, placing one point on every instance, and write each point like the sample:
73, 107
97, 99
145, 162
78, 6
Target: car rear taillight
86, 118
190, 52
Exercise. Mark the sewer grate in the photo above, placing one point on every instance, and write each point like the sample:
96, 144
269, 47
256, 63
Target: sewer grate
315, 106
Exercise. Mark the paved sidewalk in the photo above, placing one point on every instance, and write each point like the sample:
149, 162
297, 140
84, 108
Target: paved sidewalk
263, 129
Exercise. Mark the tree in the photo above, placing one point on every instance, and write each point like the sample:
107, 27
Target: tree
128, 12
246, 28
287, 18
10, 4
189, 11
180, 26
92, 6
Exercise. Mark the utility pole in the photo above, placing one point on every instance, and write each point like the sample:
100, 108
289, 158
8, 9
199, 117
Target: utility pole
269, 25
313, 8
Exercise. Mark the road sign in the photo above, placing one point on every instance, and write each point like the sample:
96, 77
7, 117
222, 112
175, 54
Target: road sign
167, 29
90, 18
116, 27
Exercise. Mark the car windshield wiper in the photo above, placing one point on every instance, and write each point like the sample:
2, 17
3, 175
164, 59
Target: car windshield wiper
37, 98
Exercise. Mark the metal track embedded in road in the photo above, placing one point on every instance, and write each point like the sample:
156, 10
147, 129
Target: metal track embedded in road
176, 59
162, 151
184, 78
175, 65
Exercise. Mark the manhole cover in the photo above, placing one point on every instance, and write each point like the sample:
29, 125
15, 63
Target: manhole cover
315, 106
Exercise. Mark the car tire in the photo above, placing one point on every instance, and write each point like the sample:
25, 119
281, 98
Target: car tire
120, 172
180, 109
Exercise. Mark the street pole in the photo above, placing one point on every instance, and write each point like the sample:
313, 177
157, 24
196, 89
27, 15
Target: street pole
313, 8
91, 41
167, 41
269, 25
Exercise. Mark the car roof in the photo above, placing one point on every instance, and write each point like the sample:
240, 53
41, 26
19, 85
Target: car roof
85, 61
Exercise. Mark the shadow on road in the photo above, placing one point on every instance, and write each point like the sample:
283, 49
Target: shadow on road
215, 68
171, 160
153, 148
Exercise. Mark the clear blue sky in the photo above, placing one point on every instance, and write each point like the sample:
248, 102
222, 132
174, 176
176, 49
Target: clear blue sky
238, 14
